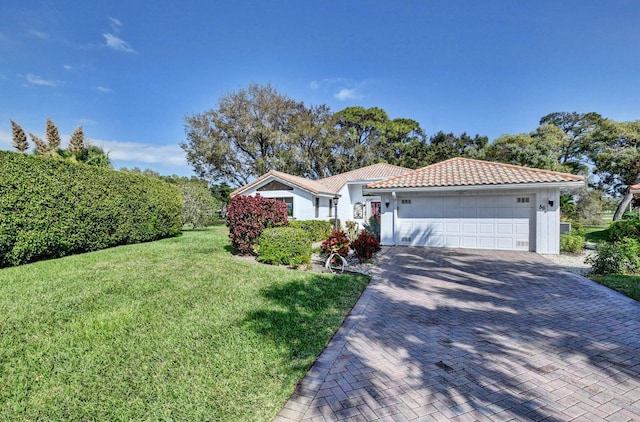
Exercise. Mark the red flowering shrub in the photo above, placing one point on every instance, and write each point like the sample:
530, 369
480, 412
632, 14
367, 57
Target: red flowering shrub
336, 243
248, 216
365, 246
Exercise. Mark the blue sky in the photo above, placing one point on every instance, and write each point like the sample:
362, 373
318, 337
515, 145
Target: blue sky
129, 71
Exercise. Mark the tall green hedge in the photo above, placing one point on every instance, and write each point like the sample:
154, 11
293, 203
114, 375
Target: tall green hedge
51, 208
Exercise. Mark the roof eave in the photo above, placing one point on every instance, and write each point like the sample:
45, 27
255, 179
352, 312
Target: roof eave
271, 177
538, 185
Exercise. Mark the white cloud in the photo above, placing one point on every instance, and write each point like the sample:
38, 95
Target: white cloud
346, 94
39, 34
37, 80
117, 43
116, 24
342, 89
67, 67
102, 89
170, 155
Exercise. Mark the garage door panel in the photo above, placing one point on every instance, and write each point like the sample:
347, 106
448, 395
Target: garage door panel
469, 242
486, 242
452, 227
522, 229
469, 228
503, 228
452, 241
486, 222
487, 228
505, 243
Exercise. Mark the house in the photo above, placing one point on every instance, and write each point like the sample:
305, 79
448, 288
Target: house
457, 203
320, 199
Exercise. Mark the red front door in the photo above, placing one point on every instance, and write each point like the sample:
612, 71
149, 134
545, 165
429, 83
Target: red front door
375, 208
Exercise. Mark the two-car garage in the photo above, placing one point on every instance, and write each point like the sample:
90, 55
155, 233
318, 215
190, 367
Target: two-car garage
465, 203
478, 222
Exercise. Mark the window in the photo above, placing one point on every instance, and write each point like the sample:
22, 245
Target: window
289, 202
524, 200
406, 201
317, 207
330, 207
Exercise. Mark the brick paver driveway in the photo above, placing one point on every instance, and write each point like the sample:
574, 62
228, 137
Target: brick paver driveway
466, 335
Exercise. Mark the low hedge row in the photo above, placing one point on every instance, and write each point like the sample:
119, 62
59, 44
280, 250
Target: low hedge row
284, 245
317, 229
51, 208
621, 229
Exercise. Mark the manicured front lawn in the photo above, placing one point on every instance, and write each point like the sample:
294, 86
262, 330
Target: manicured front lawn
176, 329
628, 285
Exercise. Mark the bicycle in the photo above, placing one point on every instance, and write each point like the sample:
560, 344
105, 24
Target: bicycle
336, 263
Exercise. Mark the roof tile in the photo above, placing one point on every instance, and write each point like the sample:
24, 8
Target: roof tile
372, 172
467, 172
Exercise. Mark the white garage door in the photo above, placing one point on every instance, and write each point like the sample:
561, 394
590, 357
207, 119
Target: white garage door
479, 222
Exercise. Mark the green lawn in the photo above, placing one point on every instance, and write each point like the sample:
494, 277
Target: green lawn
628, 285
597, 234
171, 330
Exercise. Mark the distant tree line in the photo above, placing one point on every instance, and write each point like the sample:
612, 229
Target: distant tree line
203, 204
257, 129
78, 149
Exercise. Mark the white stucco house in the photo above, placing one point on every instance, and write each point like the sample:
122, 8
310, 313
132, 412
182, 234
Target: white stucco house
457, 203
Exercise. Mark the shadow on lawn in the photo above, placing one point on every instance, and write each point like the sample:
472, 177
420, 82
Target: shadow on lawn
304, 314
500, 335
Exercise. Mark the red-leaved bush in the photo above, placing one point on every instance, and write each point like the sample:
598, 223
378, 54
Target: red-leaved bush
248, 216
336, 243
365, 246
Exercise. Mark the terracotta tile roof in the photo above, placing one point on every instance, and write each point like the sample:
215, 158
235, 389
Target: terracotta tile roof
468, 172
310, 185
372, 172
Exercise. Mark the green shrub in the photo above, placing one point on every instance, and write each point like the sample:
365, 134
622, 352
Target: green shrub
317, 229
576, 227
332, 221
373, 226
631, 215
621, 229
366, 245
284, 245
51, 208
336, 243
621, 257
572, 241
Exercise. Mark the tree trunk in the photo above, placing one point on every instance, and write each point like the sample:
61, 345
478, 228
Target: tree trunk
626, 199
623, 205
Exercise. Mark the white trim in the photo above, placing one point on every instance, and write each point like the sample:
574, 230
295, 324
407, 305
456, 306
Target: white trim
442, 189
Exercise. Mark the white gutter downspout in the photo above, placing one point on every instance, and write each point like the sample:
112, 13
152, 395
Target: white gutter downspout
394, 218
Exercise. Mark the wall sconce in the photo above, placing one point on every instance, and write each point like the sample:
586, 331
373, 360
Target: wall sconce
551, 200
387, 202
